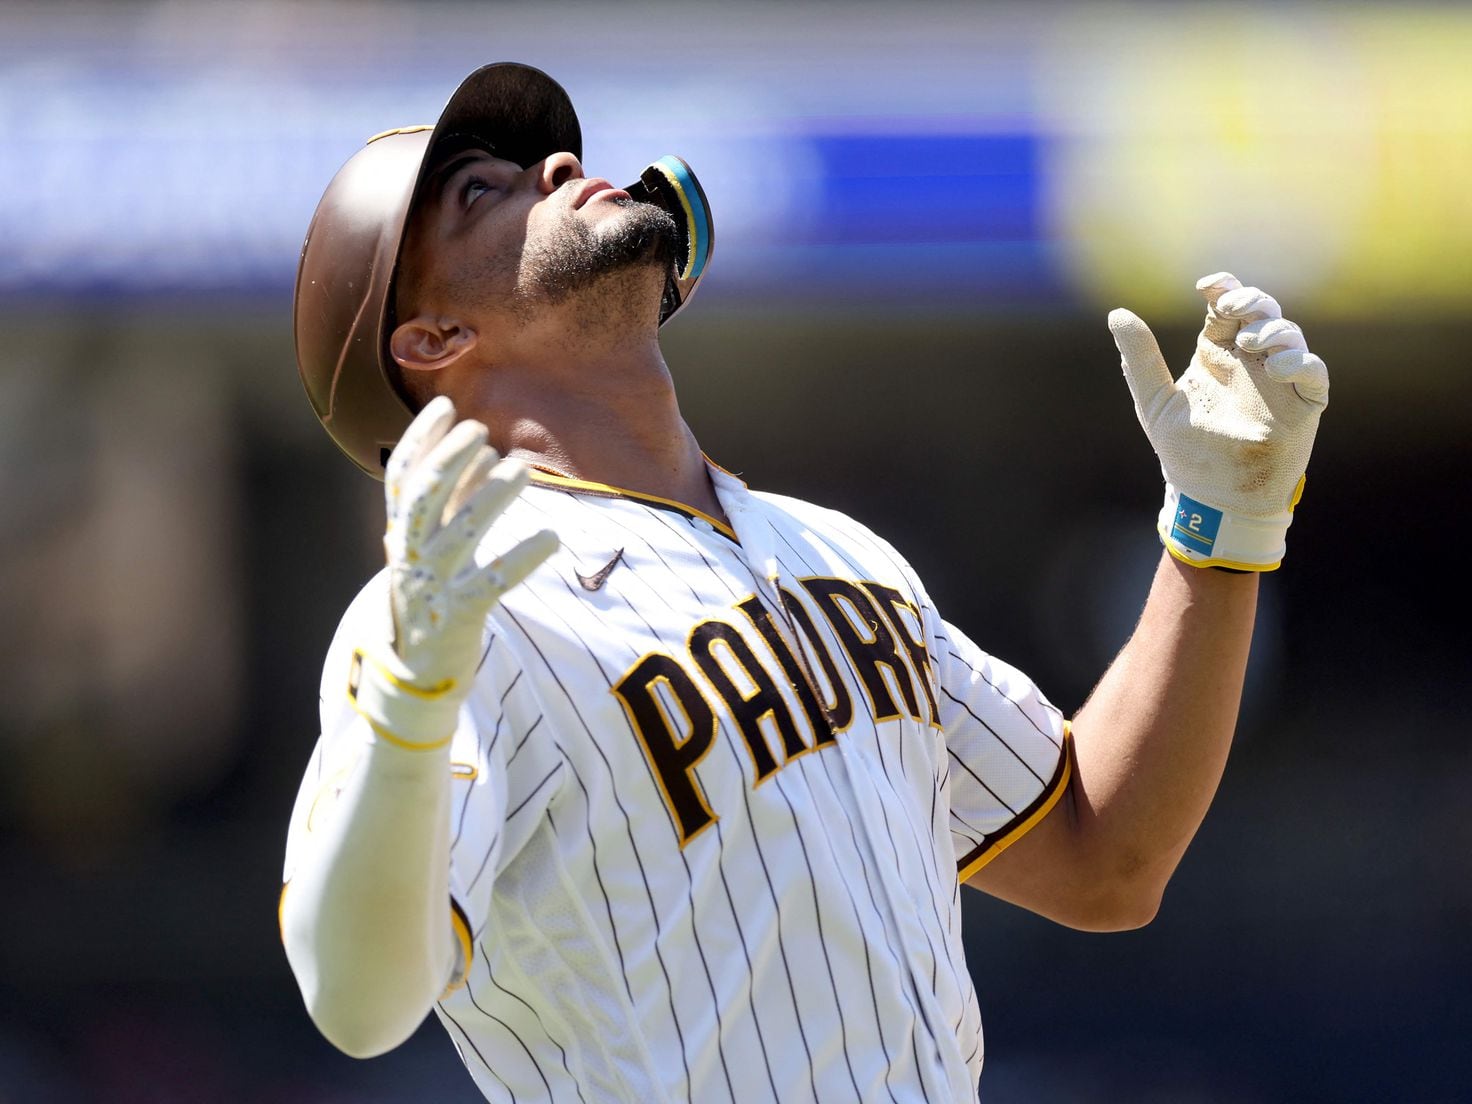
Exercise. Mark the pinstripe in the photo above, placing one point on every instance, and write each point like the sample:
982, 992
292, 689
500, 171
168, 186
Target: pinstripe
966, 767
786, 965
689, 888
982, 675
977, 832
868, 958
561, 1050
926, 859
726, 888
486, 753
761, 856
650, 546
510, 686
735, 916
633, 846
470, 794
470, 993
818, 916
766, 870
859, 573
694, 544
522, 742
995, 736
485, 655
781, 939
602, 888
931, 875
510, 815
889, 943
772, 891
930, 945
481, 1057
746, 957
852, 831
490, 849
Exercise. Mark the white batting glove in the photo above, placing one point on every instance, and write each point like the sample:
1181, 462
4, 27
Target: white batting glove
443, 488
1234, 432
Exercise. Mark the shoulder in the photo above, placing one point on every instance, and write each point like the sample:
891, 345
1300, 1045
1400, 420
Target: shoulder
816, 524
367, 612
367, 618
821, 519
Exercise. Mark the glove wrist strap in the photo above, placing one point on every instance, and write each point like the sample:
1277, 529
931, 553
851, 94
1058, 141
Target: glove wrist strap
401, 712
1204, 536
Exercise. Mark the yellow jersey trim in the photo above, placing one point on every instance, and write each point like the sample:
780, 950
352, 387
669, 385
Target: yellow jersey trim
461, 927
543, 477
999, 841
723, 470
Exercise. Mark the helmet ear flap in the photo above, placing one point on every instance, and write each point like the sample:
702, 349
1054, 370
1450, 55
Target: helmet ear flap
670, 184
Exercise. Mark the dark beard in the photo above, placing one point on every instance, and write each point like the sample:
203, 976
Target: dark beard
578, 258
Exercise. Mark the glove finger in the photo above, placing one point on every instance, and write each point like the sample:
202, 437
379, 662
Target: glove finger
452, 547
1305, 371
1212, 288
487, 585
1271, 334
433, 480
1145, 370
1248, 302
424, 432
471, 479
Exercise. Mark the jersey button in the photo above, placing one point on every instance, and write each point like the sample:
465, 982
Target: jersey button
703, 525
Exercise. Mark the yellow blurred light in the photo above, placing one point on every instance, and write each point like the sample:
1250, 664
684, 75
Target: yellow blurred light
1323, 154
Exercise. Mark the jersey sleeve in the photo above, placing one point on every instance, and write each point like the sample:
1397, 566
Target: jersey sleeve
503, 776
508, 770
1007, 749
1005, 743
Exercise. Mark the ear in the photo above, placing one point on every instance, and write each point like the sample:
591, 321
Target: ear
426, 343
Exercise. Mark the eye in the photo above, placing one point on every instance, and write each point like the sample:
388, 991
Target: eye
473, 188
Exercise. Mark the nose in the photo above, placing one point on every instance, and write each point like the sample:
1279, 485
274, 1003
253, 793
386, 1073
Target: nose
557, 170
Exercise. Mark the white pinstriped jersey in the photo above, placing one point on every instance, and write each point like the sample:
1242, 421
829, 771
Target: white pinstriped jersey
712, 809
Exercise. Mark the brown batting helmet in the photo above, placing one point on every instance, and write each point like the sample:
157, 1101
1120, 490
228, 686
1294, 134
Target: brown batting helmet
344, 285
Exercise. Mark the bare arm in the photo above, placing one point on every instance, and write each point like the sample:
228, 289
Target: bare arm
1233, 435
1149, 747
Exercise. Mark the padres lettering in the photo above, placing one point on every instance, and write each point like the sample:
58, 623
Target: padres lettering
676, 724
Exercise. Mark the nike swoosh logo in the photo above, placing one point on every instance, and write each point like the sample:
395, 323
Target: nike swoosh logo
596, 580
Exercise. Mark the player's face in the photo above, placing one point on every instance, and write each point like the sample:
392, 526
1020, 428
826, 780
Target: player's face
490, 234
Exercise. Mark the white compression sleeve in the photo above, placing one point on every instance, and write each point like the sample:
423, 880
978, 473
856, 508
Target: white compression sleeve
366, 917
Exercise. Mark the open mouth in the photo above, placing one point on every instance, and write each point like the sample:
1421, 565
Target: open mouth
598, 187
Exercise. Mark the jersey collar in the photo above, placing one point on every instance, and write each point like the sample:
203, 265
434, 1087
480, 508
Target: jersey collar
545, 477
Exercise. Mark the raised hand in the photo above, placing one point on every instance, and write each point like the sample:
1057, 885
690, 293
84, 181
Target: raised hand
1234, 433
444, 488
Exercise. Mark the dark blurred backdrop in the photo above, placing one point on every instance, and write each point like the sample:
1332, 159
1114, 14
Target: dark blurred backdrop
922, 217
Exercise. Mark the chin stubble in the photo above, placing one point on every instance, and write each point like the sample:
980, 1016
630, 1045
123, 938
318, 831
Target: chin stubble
578, 257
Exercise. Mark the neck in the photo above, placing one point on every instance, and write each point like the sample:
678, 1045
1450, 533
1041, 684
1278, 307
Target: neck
605, 414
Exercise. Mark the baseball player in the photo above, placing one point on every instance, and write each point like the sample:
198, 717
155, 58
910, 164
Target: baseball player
658, 788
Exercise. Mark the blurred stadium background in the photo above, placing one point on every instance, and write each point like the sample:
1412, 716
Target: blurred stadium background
923, 213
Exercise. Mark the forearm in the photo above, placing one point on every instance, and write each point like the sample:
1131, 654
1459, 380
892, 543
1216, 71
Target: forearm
365, 917
1152, 740
1233, 435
